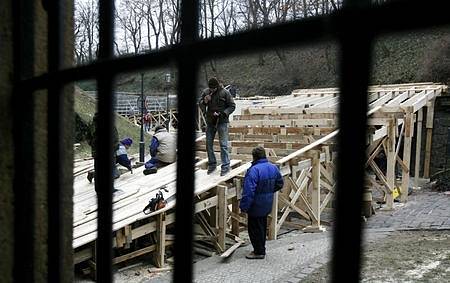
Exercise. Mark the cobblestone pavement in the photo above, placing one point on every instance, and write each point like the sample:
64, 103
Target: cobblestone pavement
295, 255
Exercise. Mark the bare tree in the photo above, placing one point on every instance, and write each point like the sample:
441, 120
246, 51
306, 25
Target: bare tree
86, 28
131, 20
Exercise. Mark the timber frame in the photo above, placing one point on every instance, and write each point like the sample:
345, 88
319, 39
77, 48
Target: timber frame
298, 132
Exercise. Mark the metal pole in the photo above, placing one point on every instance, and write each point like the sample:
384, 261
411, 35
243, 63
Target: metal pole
141, 142
167, 102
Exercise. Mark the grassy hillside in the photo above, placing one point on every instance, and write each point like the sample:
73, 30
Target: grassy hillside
84, 112
399, 58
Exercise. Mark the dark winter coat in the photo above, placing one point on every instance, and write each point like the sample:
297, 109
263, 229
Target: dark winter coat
221, 102
261, 181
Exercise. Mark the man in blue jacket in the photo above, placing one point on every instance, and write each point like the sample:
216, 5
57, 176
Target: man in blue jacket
122, 155
261, 181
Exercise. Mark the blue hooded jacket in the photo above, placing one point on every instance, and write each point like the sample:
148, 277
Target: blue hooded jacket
261, 181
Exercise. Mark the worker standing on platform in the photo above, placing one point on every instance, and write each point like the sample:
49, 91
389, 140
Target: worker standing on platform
261, 181
218, 104
122, 155
163, 149
92, 140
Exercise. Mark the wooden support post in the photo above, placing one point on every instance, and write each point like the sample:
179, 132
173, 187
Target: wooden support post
272, 235
160, 239
128, 236
391, 162
222, 216
315, 196
418, 147
409, 131
429, 125
235, 207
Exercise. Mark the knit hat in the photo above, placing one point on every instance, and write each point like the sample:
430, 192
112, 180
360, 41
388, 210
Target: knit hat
159, 127
126, 141
213, 83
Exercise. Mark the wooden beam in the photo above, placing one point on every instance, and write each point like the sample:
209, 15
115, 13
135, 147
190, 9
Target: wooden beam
298, 190
273, 231
418, 147
429, 125
160, 240
308, 147
315, 196
235, 206
222, 216
409, 131
390, 158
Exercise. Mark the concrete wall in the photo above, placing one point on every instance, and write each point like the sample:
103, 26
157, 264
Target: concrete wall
6, 144
39, 99
440, 157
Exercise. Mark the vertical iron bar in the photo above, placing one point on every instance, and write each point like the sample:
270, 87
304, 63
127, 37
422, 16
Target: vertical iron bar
55, 151
355, 38
141, 141
104, 145
24, 138
187, 82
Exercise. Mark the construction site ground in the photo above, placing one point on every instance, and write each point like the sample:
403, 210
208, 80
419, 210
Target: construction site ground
408, 244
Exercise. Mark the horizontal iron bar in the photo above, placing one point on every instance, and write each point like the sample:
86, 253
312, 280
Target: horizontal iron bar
394, 16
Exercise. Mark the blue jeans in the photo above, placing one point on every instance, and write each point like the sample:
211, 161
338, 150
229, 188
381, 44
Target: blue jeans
222, 129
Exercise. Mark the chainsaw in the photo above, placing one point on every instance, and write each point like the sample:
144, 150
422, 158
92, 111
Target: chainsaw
157, 202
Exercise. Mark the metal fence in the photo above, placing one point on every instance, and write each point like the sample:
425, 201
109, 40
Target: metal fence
354, 27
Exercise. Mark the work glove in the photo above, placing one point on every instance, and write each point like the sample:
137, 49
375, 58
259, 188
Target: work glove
207, 99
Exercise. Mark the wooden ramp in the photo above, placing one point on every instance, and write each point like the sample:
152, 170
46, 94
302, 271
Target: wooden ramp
135, 191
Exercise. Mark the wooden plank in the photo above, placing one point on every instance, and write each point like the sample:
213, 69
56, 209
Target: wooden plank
134, 254
234, 247
308, 147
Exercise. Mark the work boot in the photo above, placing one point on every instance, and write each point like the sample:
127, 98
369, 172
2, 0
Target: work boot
252, 255
210, 170
223, 172
90, 176
150, 171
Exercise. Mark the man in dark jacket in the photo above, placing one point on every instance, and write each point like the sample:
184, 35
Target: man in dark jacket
163, 149
217, 104
92, 141
261, 181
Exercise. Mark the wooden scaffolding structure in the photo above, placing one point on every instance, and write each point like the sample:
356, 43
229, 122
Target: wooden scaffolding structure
298, 132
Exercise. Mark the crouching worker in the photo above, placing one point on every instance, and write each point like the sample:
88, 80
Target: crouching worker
162, 149
122, 155
261, 181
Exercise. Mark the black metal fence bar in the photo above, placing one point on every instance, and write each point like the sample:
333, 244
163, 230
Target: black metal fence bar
355, 25
355, 42
24, 151
393, 16
104, 146
187, 92
55, 152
